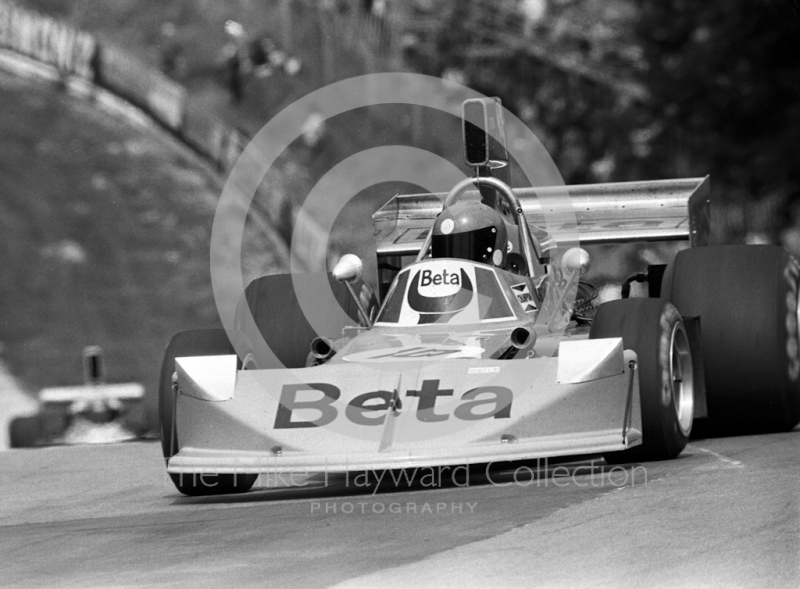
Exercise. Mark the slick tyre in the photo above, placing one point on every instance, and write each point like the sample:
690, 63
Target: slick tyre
204, 342
654, 330
747, 299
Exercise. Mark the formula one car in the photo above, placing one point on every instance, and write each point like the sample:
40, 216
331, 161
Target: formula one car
485, 345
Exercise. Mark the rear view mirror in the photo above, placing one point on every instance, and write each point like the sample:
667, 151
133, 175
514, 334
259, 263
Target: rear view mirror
476, 140
348, 269
576, 260
480, 118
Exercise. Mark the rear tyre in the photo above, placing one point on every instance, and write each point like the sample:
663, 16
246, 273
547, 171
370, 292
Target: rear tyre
747, 299
654, 330
203, 342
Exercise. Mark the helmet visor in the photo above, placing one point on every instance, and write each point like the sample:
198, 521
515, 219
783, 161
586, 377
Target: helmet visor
477, 245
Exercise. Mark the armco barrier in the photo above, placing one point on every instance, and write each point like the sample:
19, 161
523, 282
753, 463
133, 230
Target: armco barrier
148, 89
199, 129
219, 143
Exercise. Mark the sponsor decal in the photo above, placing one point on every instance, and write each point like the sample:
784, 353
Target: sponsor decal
439, 290
446, 278
419, 352
483, 369
447, 226
497, 257
524, 297
370, 409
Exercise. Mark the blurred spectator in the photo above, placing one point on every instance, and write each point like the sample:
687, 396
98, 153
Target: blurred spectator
173, 63
314, 129
292, 66
374, 7
237, 62
258, 51
233, 71
263, 58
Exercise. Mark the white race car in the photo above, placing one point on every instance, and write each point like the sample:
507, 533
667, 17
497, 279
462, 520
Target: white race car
484, 345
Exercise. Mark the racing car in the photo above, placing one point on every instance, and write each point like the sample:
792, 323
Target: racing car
483, 344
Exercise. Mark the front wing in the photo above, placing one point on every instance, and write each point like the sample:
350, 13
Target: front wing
347, 417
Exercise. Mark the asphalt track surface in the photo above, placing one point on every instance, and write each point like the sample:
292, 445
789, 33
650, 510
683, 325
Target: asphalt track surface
725, 514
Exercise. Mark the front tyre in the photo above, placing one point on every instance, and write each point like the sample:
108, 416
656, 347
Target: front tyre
201, 342
654, 330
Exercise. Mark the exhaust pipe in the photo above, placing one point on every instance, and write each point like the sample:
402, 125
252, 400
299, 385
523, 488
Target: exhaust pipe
520, 337
322, 348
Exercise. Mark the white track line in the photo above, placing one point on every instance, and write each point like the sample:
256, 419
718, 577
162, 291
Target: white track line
717, 455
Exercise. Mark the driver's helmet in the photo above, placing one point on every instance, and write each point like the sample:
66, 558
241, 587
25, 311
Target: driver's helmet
470, 230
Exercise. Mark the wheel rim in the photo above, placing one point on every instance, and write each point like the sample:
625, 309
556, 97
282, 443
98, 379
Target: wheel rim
681, 378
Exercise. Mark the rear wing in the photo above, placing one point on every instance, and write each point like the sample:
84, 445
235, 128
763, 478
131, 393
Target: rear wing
610, 213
